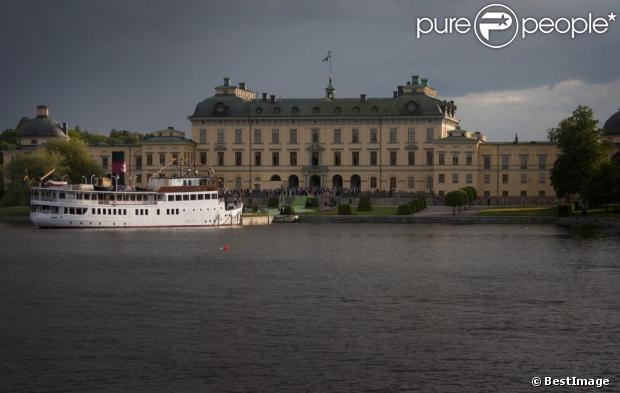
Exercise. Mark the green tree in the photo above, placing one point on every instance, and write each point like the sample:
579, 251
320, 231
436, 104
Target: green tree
581, 152
8, 139
456, 199
24, 170
76, 159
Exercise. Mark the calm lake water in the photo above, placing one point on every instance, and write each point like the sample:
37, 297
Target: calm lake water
308, 308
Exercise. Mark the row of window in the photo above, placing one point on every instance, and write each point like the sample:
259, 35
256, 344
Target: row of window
192, 197
373, 136
441, 178
523, 161
441, 158
187, 159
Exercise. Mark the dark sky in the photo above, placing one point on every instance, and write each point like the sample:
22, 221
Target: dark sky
143, 65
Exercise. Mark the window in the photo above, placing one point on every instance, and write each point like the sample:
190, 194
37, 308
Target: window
238, 136
257, 158
275, 136
355, 158
393, 135
392, 183
505, 161
203, 158
469, 178
487, 162
441, 178
487, 178
293, 136
455, 178
293, 158
315, 135
523, 194
203, 136
469, 160
373, 182
411, 158
257, 136
523, 161
337, 158
104, 162
315, 158
504, 193
393, 158
542, 178
275, 158
220, 136
411, 182
220, 158
149, 159
411, 135
373, 158
541, 193
429, 157
430, 135
175, 158
355, 135
162, 159
542, 161
505, 178
373, 135
138, 163
441, 159
139, 178
455, 159
337, 136
238, 158
524, 178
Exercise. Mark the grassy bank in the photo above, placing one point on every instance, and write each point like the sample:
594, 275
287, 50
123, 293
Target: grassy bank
14, 211
526, 211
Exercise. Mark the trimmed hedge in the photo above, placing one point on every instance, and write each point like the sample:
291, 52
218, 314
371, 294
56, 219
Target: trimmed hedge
312, 202
273, 202
344, 210
287, 210
364, 205
413, 206
565, 210
403, 210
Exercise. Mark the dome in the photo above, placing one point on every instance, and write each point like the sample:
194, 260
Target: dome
41, 126
612, 125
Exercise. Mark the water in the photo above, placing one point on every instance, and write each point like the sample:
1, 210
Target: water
307, 308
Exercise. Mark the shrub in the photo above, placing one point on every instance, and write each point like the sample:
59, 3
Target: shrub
312, 202
473, 195
565, 210
419, 204
364, 205
456, 198
344, 210
287, 210
273, 202
413, 205
403, 210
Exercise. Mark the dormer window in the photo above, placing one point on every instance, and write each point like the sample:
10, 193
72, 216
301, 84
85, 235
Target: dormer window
219, 107
316, 109
337, 109
295, 109
375, 109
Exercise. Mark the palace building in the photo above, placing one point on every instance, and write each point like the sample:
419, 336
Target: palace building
410, 142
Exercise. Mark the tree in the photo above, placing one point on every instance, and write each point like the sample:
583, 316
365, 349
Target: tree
76, 159
25, 169
581, 152
456, 199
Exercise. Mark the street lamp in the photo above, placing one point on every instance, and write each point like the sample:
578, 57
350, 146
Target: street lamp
91, 178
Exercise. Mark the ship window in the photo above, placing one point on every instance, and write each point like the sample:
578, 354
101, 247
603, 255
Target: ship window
136, 212
104, 212
177, 212
186, 197
114, 211
200, 197
170, 198
158, 212
71, 210
61, 195
193, 197
146, 211
124, 212
55, 209
167, 211
133, 197
87, 196
79, 196
93, 211
177, 197
139, 197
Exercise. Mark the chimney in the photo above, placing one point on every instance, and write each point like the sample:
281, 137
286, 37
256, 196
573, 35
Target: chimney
272, 98
242, 85
43, 111
395, 93
226, 81
264, 96
424, 82
414, 79
363, 97
401, 89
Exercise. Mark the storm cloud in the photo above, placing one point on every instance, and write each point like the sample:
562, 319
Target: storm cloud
143, 65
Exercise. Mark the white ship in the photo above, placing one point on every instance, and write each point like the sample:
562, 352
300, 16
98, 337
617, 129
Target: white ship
167, 202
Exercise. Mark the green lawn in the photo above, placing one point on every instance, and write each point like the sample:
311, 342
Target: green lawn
13, 211
376, 211
518, 211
